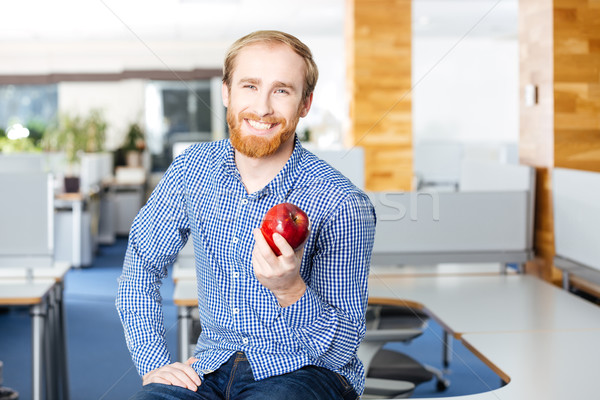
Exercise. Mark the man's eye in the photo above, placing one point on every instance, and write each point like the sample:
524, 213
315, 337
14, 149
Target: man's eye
283, 91
250, 87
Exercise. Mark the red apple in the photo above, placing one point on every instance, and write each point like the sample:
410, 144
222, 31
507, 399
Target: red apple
289, 221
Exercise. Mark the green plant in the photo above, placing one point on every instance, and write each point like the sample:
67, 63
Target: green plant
95, 131
66, 135
74, 134
135, 139
24, 145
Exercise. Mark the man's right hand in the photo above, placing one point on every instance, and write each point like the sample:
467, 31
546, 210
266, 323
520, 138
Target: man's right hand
176, 374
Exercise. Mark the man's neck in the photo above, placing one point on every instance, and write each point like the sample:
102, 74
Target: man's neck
256, 173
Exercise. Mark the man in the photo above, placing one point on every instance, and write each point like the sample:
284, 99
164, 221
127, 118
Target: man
284, 327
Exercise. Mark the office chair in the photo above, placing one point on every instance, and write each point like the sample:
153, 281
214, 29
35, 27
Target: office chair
384, 367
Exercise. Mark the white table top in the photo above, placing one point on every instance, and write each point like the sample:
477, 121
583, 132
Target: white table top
547, 365
541, 339
471, 304
57, 272
23, 292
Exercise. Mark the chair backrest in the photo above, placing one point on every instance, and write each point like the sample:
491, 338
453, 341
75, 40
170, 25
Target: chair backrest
26, 219
438, 162
350, 162
576, 196
489, 176
486, 176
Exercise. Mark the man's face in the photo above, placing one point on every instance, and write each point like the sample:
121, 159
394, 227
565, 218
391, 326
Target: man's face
265, 100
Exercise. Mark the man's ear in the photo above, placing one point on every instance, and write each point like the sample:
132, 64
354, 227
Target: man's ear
225, 94
305, 108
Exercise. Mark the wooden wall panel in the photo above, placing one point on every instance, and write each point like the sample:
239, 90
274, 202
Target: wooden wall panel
559, 44
378, 39
577, 84
536, 138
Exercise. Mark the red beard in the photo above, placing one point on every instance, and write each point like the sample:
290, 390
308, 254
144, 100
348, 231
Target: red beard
256, 146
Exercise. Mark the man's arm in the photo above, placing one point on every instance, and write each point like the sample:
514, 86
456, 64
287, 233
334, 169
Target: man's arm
328, 317
158, 233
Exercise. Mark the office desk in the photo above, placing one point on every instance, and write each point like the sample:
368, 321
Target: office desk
536, 336
56, 272
17, 292
48, 317
474, 304
549, 365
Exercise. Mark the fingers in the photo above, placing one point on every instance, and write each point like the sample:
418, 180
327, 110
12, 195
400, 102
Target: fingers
261, 242
191, 360
284, 247
176, 374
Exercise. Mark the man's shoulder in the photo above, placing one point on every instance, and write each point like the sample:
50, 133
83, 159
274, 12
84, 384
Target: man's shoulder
204, 155
207, 149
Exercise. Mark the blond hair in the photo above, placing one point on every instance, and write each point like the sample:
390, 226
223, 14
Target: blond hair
311, 71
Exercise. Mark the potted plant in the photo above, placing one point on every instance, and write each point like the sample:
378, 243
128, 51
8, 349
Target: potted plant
134, 145
75, 135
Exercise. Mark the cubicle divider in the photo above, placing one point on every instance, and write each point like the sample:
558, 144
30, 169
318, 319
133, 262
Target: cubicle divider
27, 219
489, 220
576, 196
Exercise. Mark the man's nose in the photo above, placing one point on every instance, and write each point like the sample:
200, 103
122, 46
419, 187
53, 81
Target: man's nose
262, 104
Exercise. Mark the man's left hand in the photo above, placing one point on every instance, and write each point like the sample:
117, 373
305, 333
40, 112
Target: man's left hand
281, 275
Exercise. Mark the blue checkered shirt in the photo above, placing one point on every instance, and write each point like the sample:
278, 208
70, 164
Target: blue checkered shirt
202, 197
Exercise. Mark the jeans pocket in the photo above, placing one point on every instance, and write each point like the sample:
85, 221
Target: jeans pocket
343, 381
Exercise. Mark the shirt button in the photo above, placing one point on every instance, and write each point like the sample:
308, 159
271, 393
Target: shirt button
236, 310
245, 340
244, 202
236, 274
234, 240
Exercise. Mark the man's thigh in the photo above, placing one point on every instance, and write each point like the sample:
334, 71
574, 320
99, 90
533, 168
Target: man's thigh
308, 383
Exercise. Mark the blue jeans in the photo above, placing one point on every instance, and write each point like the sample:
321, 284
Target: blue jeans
234, 381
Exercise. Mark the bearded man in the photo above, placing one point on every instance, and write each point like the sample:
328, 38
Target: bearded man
273, 327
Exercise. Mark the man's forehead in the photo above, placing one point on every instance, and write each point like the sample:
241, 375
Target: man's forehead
286, 57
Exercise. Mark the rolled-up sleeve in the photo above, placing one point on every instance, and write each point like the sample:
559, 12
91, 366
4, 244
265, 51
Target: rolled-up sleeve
157, 234
329, 319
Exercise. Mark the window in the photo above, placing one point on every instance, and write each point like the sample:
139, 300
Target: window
29, 105
181, 113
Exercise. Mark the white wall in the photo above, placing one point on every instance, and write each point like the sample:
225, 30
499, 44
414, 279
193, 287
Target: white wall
466, 93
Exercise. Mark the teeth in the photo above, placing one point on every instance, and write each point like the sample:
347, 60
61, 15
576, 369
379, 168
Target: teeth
259, 125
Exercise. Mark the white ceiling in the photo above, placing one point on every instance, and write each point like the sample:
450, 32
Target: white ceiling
226, 20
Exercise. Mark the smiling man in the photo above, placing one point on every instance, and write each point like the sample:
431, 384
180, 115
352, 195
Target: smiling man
273, 327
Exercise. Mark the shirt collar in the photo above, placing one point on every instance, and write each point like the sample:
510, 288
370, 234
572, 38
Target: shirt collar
283, 183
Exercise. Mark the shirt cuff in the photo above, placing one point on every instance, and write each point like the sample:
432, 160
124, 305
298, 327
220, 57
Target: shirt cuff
305, 311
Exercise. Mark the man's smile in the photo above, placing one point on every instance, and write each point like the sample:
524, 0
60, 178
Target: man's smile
261, 126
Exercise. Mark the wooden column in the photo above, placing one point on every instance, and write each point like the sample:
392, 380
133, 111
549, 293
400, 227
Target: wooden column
577, 84
378, 42
559, 44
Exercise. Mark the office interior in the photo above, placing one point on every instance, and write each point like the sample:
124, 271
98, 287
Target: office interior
473, 126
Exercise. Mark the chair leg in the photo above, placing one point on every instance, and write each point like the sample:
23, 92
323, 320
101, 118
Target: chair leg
447, 350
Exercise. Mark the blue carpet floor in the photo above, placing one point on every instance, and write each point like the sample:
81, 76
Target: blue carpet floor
100, 366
